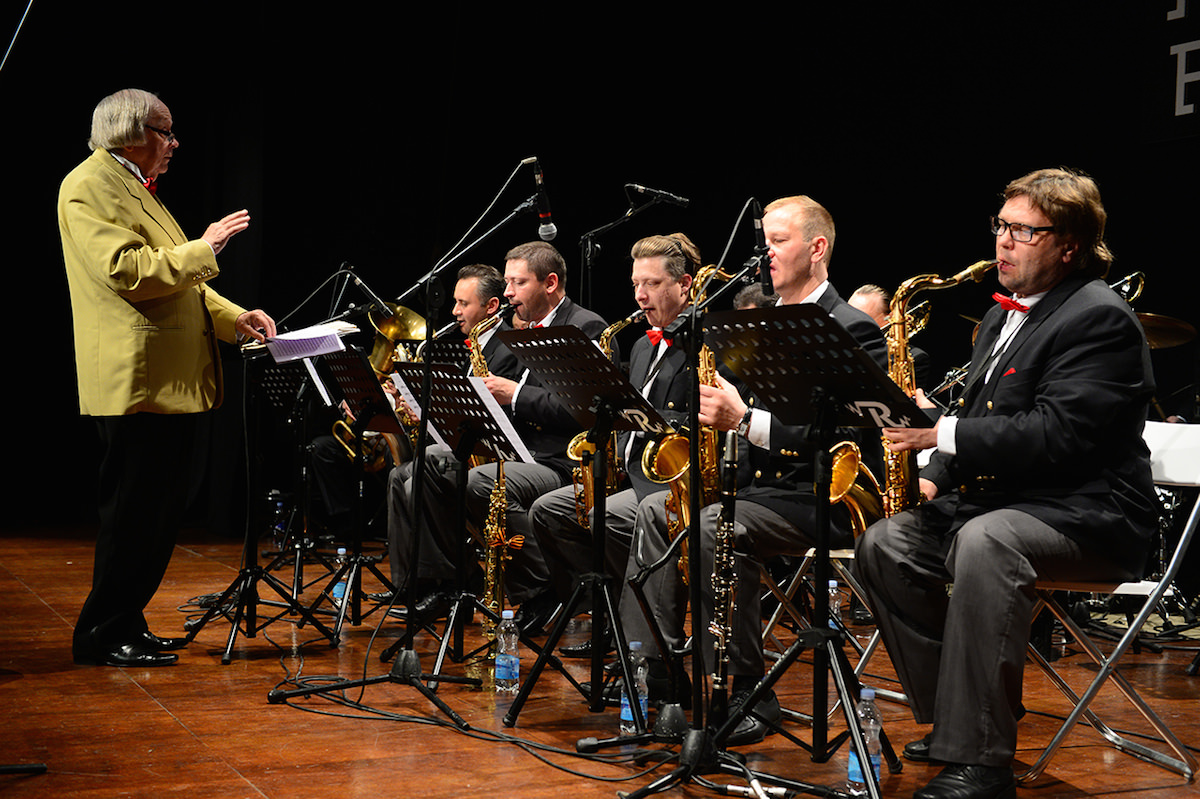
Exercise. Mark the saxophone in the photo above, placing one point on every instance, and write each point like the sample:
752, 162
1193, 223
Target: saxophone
479, 365
498, 550
666, 460
724, 586
580, 449
901, 488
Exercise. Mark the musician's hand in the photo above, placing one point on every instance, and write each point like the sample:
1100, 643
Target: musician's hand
220, 232
902, 439
923, 401
928, 488
721, 406
255, 324
502, 388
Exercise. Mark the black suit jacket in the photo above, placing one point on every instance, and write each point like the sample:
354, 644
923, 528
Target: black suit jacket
781, 479
539, 415
1057, 431
668, 395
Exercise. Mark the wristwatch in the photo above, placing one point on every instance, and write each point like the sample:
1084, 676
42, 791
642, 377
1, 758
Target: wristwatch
743, 428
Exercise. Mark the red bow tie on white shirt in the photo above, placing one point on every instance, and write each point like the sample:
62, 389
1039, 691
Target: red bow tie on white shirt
1009, 304
656, 336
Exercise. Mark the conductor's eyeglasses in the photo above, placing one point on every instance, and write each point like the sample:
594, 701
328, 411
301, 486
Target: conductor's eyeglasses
166, 134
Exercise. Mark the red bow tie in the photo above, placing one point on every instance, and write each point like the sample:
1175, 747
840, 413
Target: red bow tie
151, 186
1009, 304
656, 336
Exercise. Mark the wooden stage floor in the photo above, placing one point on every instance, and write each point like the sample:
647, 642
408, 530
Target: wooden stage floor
203, 729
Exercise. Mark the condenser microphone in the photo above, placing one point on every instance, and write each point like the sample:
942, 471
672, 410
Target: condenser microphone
546, 230
657, 195
385, 311
761, 252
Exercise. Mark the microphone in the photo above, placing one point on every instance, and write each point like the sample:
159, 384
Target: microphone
761, 252
657, 195
385, 310
546, 230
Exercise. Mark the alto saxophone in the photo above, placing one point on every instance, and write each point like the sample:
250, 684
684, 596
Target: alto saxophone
666, 460
901, 490
580, 449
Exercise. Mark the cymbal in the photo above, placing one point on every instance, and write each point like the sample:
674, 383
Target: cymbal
1164, 331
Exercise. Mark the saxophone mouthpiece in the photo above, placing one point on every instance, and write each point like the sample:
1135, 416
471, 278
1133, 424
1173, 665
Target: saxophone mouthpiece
977, 270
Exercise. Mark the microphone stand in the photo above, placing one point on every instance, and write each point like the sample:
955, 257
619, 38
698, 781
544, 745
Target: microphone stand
589, 248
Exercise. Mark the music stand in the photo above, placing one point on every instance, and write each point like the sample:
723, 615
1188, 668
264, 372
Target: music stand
465, 418
805, 367
239, 601
356, 381
601, 399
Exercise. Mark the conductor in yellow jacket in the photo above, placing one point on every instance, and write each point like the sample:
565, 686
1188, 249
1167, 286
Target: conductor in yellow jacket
146, 328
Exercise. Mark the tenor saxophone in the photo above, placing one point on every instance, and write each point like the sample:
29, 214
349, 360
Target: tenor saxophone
901, 490
580, 449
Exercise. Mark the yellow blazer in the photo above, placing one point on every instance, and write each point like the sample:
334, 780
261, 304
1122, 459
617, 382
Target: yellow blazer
146, 326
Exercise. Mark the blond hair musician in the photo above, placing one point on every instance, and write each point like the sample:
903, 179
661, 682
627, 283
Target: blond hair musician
775, 512
1043, 473
146, 329
661, 274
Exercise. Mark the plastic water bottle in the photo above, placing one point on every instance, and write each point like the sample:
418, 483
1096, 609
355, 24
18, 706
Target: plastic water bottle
637, 665
508, 657
835, 604
868, 719
339, 588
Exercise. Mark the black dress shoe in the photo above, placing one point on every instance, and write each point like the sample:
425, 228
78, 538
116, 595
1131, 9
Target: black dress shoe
535, 613
583, 651
432, 606
918, 750
158, 644
756, 725
131, 655
964, 781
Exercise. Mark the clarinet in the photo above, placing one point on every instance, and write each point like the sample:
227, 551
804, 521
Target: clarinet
724, 583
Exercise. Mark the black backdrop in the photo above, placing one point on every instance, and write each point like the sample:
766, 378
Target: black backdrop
377, 138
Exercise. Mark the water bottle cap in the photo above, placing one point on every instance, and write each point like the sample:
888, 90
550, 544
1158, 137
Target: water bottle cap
833, 583
867, 694
506, 614
635, 646
341, 550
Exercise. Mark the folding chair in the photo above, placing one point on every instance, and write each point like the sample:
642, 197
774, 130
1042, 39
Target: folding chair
785, 591
1175, 459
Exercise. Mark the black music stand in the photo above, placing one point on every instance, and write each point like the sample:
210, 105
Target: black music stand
240, 600
469, 422
356, 381
284, 388
810, 372
601, 399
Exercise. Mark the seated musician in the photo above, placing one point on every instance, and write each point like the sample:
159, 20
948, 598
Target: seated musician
663, 269
775, 512
1043, 473
478, 295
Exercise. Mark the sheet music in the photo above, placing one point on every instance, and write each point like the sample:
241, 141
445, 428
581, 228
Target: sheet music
309, 342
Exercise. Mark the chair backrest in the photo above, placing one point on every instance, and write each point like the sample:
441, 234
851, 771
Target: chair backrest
1174, 453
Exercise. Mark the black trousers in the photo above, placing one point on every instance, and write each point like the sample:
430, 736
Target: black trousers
144, 483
